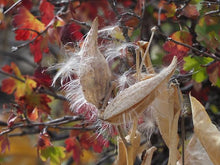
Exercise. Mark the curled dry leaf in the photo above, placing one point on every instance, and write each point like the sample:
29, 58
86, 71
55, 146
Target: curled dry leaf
95, 74
148, 157
135, 99
207, 133
166, 111
127, 154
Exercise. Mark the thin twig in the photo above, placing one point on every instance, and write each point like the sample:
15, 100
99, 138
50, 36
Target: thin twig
52, 123
50, 93
80, 23
12, 6
213, 56
12, 76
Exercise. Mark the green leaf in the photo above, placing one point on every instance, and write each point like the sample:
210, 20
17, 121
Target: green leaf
196, 64
53, 153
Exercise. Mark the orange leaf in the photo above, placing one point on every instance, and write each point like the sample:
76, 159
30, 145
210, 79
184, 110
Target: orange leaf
34, 114
27, 24
44, 141
176, 49
8, 85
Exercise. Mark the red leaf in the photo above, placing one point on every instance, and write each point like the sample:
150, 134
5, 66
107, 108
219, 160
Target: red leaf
8, 85
11, 119
39, 46
27, 4
99, 143
214, 72
7, 69
47, 11
177, 49
27, 24
85, 140
4, 143
190, 11
72, 144
41, 76
70, 33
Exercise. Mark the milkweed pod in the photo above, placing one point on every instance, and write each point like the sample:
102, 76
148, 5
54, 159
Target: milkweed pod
135, 99
95, 75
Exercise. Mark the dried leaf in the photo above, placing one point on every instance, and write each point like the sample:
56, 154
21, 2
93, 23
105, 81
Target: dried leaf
148, 156
207, 133
137, 97
166, 110
195, 154
95, 74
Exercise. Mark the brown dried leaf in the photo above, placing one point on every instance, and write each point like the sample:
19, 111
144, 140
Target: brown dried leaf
166, 110
127, 154
148, 156
207, 133
135, 99
95, 75
195, 154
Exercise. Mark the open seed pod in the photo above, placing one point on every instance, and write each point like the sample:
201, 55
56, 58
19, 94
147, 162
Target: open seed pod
94, 74
135, 99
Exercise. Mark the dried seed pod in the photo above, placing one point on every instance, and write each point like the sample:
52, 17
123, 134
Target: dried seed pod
94, 73
135, 99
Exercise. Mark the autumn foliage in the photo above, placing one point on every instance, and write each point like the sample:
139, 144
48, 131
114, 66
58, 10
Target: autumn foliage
118, 82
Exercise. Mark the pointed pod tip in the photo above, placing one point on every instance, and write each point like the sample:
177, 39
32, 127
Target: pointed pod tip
95, 24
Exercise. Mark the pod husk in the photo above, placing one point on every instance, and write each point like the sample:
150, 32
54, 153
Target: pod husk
95, 75
135, 99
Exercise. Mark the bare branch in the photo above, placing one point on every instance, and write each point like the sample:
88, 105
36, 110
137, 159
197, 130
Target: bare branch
12, 76
12, 6
52, 123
